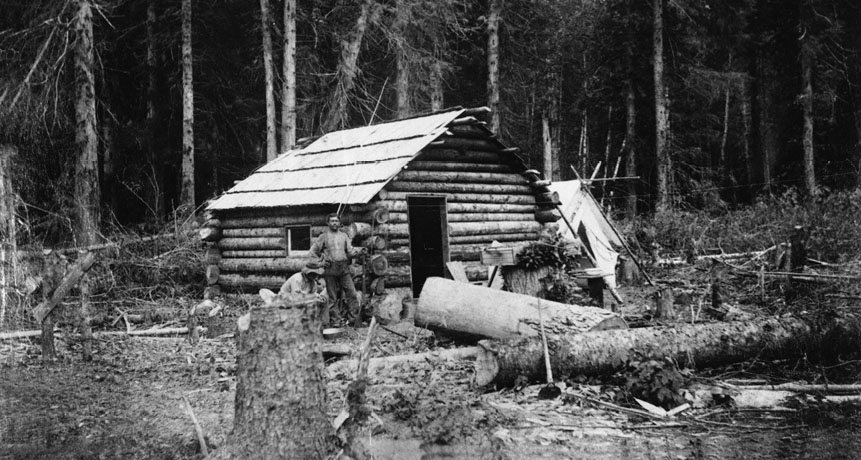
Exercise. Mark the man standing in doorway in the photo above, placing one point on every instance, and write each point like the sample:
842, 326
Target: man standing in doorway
336, 250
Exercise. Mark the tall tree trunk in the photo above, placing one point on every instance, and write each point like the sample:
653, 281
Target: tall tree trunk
436, 82
288, 90
662, 122
607, 143
493, 18
280, 405
109, 178
269, 77
402, 82
187, 199
87, 197
747, 132
548, 146
8, 228
630, 142
157, 184
807, 111
347, 70
723, 167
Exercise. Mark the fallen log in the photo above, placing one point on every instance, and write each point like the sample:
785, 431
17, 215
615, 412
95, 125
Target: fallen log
479, 311
69, 281
807, 388
697, 345
347, 368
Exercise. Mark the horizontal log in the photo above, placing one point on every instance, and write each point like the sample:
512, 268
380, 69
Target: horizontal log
274, 265
473, 254
453, 142
467, 198
466, 131
454, 208
253, 253
378, 265
289, 217
489, 313
399, 276
254, 232
466, 156
250, 282
459, 166
698, 345
460, 176
401, 217
252, 243
548, 197
458, 188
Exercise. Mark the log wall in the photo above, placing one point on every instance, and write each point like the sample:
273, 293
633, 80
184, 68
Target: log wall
490, 198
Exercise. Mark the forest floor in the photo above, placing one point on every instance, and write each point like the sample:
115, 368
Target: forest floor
129, 401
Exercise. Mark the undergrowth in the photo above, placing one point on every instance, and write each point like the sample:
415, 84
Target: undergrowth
833, 218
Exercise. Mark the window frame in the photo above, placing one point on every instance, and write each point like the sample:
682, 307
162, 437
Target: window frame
288, 241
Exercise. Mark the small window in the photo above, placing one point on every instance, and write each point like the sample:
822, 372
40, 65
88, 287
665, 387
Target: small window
298, 239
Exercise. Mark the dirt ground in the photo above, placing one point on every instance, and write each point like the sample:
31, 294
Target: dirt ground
128, 403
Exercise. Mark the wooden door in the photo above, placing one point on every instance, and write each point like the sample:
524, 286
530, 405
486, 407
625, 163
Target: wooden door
428, 227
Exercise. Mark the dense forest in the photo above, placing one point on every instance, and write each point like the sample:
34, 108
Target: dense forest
121, 112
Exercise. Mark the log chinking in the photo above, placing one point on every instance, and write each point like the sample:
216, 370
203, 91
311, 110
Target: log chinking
500, 363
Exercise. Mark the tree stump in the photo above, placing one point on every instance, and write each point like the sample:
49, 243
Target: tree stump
664, 308
280, 406
525, 281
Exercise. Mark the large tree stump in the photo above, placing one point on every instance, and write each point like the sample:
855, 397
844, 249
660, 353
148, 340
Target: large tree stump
480, 311
525, 281
280, 407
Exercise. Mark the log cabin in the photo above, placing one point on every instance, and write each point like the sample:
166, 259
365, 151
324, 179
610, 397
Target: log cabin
418, 192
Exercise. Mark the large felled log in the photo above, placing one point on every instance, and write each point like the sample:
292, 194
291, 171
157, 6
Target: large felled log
689, 345
479, 311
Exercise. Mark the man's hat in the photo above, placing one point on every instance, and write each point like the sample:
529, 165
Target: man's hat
313, 267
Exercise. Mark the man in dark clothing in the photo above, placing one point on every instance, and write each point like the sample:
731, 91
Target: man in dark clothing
336, 250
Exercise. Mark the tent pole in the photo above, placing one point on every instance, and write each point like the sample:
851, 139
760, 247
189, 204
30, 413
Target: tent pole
624, 244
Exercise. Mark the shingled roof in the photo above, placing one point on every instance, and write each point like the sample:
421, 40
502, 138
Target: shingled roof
349, 166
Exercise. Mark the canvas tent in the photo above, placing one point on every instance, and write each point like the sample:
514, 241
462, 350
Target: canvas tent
594, 230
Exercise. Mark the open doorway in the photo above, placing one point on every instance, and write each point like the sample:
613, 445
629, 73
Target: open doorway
428, 227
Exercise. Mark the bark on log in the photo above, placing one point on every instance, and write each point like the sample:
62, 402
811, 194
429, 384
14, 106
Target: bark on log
377, 243
548, 197
509, 239
454, 208
266, 265
458, 188
355, 230
689, 345
437, 154
479, 311
347, 368
272, 221
480, 145
69, 281
280, 405
252, 243
251, 282
525, 281
252, 253
460, 167
254, 232
664, 300
413, 175
210, 234
469, 198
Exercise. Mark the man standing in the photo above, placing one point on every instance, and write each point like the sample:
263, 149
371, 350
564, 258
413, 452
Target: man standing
336, 250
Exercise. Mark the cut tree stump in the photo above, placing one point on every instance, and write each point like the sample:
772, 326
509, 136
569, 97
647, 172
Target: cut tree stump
697, 345
480, 311
280, 407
